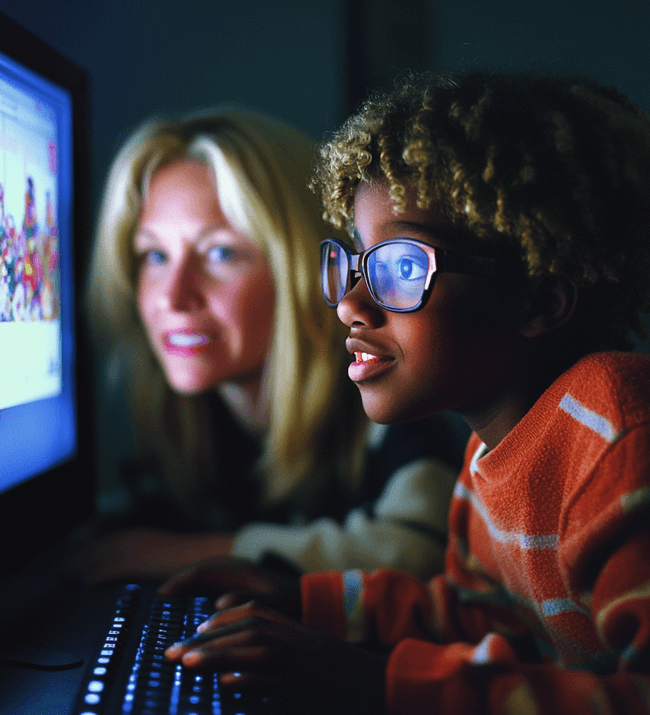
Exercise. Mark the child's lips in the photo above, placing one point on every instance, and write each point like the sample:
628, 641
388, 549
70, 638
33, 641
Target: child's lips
363, 357
367, 366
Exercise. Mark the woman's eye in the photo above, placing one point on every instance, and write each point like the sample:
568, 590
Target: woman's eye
221, 254
153, 257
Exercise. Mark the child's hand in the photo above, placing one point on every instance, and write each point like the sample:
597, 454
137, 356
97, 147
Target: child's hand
257, 649
239, 582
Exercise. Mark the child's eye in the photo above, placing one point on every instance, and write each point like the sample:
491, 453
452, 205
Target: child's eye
410, 270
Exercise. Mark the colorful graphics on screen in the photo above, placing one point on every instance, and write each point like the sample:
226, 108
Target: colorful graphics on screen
30, 274
29, 259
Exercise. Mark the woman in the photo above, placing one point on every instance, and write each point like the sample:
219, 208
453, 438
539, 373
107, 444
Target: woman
205, 296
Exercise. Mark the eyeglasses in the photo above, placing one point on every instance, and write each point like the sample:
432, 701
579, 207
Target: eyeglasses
400, 272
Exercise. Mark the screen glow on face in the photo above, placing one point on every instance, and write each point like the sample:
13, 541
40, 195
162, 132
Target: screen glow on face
398, 273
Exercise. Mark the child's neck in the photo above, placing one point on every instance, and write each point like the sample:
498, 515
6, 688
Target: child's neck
494, 422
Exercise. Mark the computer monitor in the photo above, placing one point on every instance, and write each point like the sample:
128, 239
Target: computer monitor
46, 474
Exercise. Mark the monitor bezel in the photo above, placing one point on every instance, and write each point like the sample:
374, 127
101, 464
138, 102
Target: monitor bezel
48, 507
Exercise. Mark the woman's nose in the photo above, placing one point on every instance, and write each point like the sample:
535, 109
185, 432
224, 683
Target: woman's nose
182, 291
357, 307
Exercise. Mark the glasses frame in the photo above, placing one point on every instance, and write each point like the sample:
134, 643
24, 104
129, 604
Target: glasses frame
440, 261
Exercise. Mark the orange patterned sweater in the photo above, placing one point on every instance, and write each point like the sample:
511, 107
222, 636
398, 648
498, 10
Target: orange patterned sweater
544, 606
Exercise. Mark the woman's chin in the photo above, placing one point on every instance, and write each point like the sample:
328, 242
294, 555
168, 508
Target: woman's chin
188, 386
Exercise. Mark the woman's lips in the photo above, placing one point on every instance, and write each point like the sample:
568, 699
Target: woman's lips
185, 344
367, 366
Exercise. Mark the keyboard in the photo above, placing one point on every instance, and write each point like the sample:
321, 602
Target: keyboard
129, 675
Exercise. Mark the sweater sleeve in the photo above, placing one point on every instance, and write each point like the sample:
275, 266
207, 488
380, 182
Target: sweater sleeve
406, 528
488, 676
463, 678
450, 657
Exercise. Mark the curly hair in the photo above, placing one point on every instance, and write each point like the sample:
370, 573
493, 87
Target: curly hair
559, 168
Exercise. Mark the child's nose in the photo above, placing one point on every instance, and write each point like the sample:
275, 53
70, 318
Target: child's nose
182, 292
357, 307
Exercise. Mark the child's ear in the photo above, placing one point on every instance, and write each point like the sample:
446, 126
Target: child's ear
551, 301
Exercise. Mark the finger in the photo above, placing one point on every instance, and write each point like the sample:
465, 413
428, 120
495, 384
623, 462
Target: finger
218, 637
219, 633
207, 636
240, 658
252, 610
232, 599
242, 630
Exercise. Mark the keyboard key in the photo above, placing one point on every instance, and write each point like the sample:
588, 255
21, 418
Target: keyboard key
129, 675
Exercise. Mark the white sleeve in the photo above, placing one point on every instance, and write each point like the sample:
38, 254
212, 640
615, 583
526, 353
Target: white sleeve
406, 531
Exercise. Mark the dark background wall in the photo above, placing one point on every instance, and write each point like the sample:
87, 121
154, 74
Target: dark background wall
309, 61
608, 40
173, 56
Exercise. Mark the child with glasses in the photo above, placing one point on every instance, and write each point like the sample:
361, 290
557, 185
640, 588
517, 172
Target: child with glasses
499, 264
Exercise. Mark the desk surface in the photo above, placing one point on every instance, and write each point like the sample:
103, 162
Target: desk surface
65, 617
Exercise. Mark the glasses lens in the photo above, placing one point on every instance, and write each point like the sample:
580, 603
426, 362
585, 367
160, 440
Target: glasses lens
397, 273
334, 271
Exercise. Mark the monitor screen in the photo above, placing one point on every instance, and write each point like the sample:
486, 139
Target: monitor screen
37, 410
44, 211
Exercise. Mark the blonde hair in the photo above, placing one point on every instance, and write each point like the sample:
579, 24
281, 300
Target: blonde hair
261, 167
558, 168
